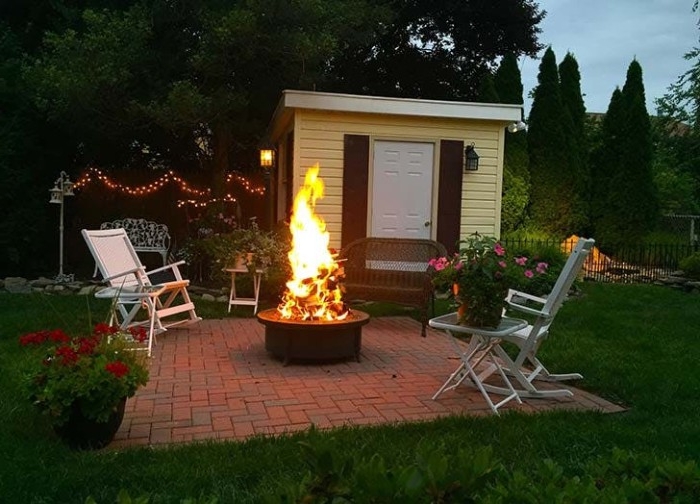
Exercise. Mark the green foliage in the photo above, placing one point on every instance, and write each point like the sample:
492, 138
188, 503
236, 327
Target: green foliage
691, 266
423, 49
625, 201
439, 474
516, 191
487, 90
508, 81
552, 196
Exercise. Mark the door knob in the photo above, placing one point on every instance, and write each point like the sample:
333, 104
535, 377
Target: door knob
427, 223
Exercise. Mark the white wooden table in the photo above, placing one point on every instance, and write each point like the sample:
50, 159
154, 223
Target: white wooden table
233, 298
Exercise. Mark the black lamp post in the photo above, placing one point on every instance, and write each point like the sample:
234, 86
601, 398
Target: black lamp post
267, 163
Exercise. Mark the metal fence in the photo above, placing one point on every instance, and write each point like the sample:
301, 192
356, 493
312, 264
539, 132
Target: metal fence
620, 262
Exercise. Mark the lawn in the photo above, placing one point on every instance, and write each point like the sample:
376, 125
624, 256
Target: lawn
634, 344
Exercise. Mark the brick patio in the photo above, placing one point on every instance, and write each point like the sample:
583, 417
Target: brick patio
214, 380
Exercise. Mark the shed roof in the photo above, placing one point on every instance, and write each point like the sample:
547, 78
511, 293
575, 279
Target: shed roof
313, 100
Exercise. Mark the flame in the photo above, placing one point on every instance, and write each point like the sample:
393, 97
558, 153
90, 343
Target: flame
313, 293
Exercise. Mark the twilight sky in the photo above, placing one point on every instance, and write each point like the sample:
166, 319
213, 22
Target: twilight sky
606, 35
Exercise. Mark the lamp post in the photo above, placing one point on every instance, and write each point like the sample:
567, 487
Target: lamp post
267, 163
62, 187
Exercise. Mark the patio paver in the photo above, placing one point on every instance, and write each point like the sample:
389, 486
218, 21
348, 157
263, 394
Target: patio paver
214, 380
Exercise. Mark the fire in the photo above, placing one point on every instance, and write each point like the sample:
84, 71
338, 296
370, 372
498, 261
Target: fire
313, 293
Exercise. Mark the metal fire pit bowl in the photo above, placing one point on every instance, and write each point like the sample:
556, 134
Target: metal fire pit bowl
315, 340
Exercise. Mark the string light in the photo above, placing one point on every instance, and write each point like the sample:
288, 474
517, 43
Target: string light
201, 204
168, 177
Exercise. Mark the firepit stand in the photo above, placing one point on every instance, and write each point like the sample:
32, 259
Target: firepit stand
317, 340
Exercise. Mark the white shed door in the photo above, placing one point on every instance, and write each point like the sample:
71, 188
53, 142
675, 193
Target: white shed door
402, 189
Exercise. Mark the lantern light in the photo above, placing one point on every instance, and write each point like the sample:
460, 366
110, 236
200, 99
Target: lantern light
471, 158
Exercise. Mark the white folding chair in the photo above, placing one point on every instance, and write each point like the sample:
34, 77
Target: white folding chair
486, 345
526, 367
131, 289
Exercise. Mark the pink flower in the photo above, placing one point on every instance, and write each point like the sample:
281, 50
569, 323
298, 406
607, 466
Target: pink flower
499, 250
529, 273
459, 265
502, 264
542, 267
521, 261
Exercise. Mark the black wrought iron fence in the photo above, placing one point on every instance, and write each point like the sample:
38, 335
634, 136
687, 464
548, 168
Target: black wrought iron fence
619, 262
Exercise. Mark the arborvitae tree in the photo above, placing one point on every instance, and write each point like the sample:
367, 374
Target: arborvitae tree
487, 90
579, 173
605, 160
516, 173
625, 166
635, 181
551, 194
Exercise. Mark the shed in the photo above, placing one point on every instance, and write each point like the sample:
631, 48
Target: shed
393, 167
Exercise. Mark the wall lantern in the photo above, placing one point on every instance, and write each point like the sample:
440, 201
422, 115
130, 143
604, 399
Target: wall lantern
471, 158
267, 157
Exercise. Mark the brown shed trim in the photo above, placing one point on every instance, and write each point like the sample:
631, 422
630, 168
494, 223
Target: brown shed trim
355, 187
450, 193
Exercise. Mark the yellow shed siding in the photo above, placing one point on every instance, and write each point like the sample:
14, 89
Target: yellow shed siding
319, 138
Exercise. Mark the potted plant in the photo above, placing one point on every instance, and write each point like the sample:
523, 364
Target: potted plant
81, 383
477, 278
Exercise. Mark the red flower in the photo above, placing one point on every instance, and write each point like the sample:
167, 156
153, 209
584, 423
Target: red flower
101, 329
58, 336
35, 338
139, 333
67, 354
87, 345
117, 368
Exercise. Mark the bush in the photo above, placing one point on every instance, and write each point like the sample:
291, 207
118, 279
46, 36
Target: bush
445, 474
691, 266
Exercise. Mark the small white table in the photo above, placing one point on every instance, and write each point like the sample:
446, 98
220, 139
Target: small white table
233, 299
484, 343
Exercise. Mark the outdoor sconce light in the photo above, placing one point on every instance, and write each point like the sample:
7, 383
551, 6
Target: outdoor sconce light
471, 158
517, 126
267, 158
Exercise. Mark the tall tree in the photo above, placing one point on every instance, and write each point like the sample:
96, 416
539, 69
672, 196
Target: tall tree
630, 203
437, 50
487, 90
579, 172
516, 173
551, 194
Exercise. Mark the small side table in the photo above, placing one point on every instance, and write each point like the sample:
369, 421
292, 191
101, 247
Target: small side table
234, 299
483, 344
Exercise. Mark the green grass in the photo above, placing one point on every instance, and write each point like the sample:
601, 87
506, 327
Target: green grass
634, 344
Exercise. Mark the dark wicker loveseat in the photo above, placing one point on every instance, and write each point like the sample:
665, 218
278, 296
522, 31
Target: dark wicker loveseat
391, 269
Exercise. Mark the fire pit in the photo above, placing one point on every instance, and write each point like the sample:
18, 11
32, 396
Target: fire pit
313, 340
312, 322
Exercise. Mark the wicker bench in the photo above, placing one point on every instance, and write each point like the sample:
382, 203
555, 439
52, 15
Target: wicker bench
145, 235
393, 270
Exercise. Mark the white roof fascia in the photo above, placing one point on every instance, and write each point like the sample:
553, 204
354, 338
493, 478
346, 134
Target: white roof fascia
400, 106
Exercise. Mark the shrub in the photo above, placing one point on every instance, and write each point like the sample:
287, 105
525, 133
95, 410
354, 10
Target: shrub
691, 266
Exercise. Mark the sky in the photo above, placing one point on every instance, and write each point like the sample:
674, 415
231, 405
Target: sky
606, 35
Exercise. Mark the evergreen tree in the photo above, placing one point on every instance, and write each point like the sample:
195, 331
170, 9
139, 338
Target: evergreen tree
604, 163
636, 192
487, 90
575, 123
551, 193
516, 174
625, 166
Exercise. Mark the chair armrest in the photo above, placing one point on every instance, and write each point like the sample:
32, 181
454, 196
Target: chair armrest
166, 267
123, 273
528, 297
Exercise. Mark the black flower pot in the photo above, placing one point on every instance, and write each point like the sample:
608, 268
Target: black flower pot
82, 433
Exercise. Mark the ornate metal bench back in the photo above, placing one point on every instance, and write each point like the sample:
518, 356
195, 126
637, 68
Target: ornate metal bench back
144, 234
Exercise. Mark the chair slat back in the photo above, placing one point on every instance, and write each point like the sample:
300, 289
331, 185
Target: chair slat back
113, 254
567, 276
